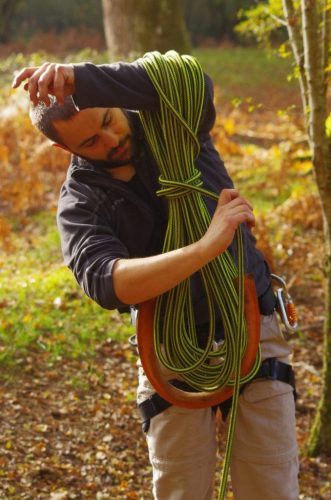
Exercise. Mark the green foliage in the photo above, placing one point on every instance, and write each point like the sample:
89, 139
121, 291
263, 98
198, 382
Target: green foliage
42, 307
328, 126
261, 21
241, 71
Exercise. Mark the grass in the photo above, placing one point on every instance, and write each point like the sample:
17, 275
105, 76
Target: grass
245, 71
42, 307
239, 71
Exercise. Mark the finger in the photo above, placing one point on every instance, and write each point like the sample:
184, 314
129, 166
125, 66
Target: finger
243, 217
45, 84
23, 75
227, 195
239, 201
33, 87
251, 224
241, 213
59, 84
228, 206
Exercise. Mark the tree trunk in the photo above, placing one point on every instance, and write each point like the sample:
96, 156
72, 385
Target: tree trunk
118, 26
320, 436
133, 27
309, 49
7, 11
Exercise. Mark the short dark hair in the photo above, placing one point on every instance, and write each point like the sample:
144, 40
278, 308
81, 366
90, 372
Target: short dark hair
43, 117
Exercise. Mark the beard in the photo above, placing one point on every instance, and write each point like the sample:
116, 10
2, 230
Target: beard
112, 161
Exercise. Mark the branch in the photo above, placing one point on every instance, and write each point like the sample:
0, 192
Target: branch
279, 20
293, 29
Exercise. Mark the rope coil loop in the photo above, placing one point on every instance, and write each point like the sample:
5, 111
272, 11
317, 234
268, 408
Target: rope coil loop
167, 336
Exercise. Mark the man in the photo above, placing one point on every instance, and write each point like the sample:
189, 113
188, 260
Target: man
112, 228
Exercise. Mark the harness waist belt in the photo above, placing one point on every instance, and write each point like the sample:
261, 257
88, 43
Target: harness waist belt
271, 369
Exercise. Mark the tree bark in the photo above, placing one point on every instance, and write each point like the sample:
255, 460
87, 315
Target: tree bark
313, 57
326, 37
133, 27
320, 436
315, 65
7, 11
310, 47
118, 26
293, 28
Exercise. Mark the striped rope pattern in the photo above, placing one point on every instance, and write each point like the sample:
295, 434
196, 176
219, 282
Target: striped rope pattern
172, 136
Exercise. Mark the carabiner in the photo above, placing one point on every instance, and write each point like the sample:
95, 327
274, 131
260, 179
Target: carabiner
286, 308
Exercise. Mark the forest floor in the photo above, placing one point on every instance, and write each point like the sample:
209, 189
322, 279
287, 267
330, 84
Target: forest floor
69, 426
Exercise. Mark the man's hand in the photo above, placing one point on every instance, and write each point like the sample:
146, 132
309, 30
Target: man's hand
140, 279
50, 78
231, 211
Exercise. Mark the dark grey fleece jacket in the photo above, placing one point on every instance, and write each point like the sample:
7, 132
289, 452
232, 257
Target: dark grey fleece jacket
102, 219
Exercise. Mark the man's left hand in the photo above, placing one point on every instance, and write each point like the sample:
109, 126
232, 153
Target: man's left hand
50, 78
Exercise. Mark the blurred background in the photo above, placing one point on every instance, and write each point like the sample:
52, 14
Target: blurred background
67, 372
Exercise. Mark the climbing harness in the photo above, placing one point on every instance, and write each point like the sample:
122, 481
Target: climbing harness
286, 308
270, 369
166, 332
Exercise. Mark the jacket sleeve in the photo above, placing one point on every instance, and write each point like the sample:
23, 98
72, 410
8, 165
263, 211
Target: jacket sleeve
89, 246
127, 85
117, 85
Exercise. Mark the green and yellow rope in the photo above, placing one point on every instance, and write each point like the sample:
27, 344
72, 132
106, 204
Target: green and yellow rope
172, 136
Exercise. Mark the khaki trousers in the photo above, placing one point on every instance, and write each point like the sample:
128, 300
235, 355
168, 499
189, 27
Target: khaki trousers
264, 466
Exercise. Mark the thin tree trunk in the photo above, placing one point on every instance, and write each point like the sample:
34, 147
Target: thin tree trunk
311, 52
315, 72
293, 28
314, 53
313, 57
320, 436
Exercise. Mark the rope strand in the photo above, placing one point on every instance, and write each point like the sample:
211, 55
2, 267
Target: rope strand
172, 136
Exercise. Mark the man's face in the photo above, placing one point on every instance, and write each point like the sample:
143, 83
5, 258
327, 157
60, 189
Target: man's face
99, 134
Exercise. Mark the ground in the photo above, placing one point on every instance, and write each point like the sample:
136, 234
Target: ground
69, 424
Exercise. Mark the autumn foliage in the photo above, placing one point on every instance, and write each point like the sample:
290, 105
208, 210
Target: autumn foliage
31, 171
266, 155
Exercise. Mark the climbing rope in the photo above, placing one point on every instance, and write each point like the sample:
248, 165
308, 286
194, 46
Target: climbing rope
172, 136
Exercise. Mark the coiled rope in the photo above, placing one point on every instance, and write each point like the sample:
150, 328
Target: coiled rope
172, 136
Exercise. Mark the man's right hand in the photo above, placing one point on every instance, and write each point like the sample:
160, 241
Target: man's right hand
231, 211
50, 78
138, 279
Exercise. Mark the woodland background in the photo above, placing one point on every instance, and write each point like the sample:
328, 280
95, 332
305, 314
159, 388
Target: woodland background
69, 427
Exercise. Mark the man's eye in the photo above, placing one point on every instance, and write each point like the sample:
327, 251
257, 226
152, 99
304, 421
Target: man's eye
91, 142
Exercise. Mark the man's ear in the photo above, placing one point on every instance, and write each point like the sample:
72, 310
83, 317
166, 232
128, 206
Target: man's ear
57, 145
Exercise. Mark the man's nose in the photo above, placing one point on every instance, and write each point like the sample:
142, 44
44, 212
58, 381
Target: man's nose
110, 140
